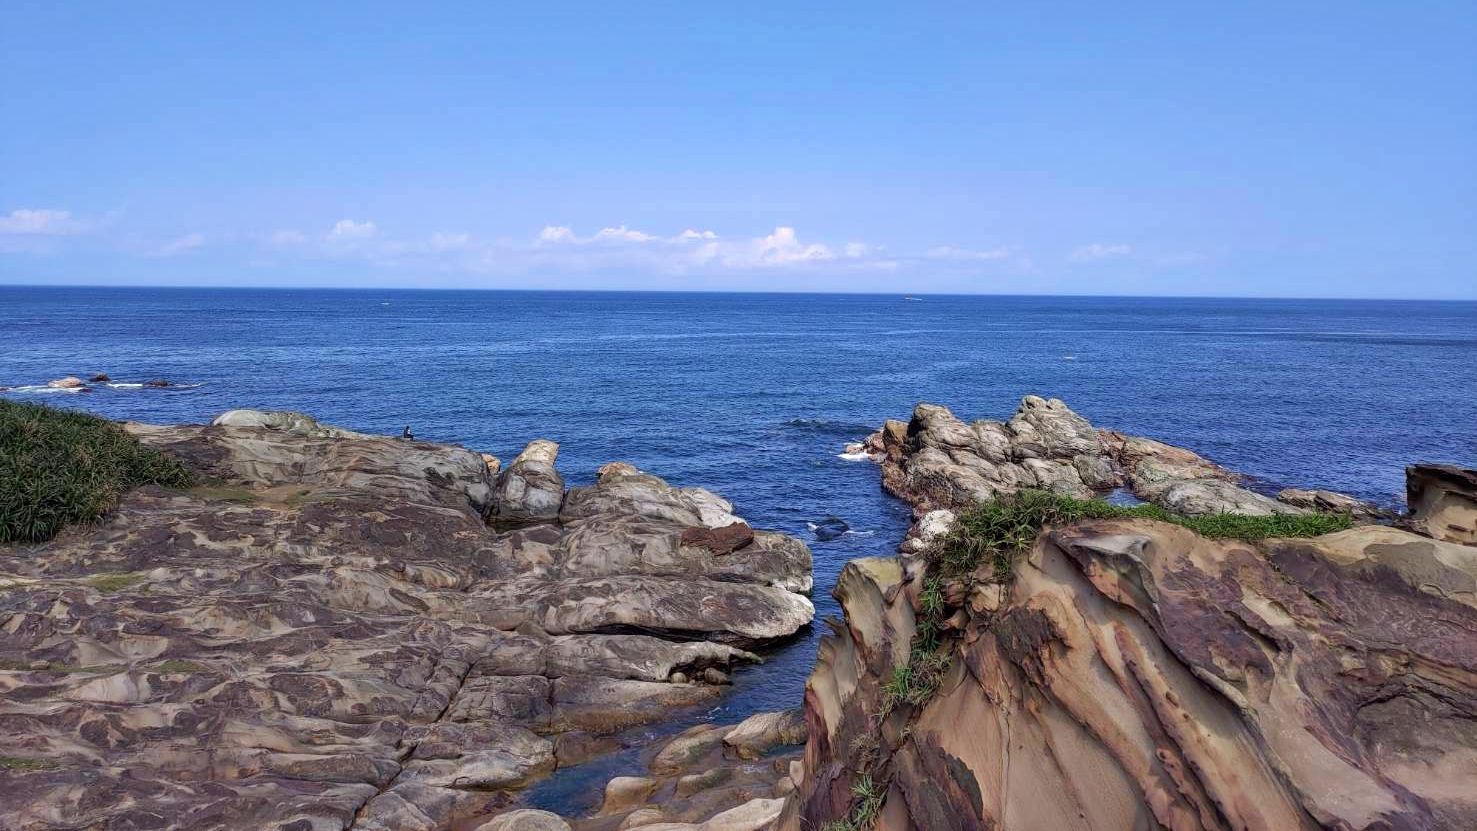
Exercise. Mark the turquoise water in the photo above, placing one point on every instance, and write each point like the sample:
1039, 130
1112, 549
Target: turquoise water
754, 395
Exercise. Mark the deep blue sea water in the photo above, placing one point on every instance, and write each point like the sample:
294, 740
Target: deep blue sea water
754, 395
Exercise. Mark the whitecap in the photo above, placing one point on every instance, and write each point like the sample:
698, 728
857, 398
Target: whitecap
36, 389
1069, 357
854, 457
122, 386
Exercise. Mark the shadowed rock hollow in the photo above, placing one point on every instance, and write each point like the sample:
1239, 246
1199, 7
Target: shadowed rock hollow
330, 634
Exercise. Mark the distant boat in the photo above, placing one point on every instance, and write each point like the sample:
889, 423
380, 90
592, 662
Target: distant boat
912, 298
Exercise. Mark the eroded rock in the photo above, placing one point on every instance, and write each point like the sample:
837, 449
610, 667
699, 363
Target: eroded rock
329, 635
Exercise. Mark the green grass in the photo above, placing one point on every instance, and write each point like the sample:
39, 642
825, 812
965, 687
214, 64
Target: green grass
992, 532
59, 467
27, 764
108, 583
178, 666
866, 803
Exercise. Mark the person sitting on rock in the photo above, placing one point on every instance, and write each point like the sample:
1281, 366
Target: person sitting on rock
406, 434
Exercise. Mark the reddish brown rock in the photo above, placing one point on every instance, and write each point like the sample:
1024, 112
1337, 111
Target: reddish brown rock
723, 540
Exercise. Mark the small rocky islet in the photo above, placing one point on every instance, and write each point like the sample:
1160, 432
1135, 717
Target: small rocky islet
337, 630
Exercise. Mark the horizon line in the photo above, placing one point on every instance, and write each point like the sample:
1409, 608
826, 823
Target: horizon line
899, 294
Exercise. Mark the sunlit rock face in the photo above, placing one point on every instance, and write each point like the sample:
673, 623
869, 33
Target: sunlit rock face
1132, 674
329, 634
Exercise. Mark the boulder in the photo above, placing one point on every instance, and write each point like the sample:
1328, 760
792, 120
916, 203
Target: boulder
1443, 502
100, 378
71, 382
525, 819
758, 734
530, 489
1330, 502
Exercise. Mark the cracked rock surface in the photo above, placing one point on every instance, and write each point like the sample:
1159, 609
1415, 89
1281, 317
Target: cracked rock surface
329, 634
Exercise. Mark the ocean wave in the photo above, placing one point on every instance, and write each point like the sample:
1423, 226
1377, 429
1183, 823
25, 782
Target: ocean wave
860, 456
122, 386
39, 389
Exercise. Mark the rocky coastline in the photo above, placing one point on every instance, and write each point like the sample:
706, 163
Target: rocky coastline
339, 630
336, 630
1130, 673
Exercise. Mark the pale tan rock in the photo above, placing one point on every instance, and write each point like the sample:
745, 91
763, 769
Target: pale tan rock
525, 819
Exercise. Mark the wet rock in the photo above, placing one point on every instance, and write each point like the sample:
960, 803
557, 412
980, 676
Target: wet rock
758, 734
1443, 502
830, 528
525, 819
714, 675
1330, 502
625, 793
71, 382
159, 383
100, 378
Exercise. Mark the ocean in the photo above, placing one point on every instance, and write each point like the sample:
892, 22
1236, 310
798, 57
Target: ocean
754, 395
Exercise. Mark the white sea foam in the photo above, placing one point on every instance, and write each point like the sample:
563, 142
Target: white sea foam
854, 457
122, 386
37, 389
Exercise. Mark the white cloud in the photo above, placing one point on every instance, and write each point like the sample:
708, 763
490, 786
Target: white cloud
1099, 251
450, 242
350, 229
949, 252
39, 221
783, 247
622, 234
180, 245
690, 234
556, 233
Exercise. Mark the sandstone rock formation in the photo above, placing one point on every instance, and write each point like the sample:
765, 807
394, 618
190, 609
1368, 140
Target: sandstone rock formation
329, 635
1131, 674
1443, 501
938, 461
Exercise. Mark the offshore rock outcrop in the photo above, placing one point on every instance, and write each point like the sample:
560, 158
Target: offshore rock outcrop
1132, 674
330, 634
936, 461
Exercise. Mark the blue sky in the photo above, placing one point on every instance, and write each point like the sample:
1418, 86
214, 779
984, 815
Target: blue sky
1303, 149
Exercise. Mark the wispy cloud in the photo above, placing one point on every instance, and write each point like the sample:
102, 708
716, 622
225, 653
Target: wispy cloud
348, 229
949, 252
40, 222
1099, 251
181, 244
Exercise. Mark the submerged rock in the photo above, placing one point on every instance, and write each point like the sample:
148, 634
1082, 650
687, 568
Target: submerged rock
830, 528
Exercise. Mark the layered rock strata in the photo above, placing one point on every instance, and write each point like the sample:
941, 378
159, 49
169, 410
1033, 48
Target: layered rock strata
330, 635
1132, 674
936, 461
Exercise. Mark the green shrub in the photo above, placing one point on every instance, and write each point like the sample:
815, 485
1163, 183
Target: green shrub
59, 467
992, 532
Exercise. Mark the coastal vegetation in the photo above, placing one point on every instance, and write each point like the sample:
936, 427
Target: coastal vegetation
59, 467
992, 534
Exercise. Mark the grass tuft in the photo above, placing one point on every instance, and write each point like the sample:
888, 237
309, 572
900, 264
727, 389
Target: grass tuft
108, 583
992, 532
59, 467
27, 764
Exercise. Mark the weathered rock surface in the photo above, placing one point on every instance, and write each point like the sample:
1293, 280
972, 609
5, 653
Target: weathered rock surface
329, 635
936, 461
1135, 675
1331, 502
1443, 501
708, 778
